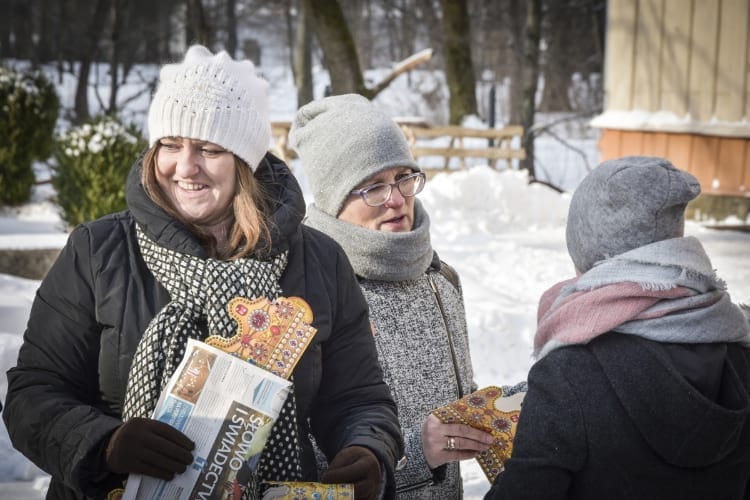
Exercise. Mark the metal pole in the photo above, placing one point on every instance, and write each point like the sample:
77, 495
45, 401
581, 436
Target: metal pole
491, 142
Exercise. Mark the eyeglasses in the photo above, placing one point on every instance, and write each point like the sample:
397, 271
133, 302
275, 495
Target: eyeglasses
378, 194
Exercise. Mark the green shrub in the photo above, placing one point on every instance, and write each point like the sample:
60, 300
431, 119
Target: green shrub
29, 106
92, 163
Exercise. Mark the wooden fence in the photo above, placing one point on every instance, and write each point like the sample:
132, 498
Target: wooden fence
446, 142
462, 142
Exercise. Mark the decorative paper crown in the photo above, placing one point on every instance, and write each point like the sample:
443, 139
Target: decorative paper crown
491, 409
271, 335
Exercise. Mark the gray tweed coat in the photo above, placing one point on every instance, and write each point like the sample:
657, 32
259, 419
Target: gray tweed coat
423, 346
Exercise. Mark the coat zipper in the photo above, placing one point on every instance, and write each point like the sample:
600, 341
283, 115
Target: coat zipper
433, 285
415, 486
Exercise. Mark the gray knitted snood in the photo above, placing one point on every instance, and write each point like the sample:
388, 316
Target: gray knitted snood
380, 255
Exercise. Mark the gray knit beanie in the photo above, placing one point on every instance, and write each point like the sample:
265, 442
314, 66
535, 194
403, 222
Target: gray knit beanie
214, 98
343, 140
624, 204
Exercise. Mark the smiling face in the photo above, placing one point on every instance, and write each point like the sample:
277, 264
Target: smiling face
395, 215
198, 178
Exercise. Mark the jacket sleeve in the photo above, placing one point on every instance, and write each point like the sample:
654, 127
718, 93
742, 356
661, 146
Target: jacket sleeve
550, 441
354, 406
417, 470
50, 410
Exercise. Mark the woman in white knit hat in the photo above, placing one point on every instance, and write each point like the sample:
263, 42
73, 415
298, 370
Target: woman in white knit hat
210, 216
364, 182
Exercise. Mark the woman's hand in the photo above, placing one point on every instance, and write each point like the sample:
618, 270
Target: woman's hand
356, 465
149, 447
442, 443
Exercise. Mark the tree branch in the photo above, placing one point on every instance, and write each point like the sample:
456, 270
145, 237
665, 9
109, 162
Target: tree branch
402, 67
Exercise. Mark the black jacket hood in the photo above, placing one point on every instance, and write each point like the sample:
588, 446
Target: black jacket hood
680, 423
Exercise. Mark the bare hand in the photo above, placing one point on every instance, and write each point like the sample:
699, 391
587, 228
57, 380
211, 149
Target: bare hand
442, 443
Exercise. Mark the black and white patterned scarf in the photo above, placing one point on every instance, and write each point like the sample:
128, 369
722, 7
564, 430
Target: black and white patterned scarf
200, 290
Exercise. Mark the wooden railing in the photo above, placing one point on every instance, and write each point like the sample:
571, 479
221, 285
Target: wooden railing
462, 142
447, 142
280, 133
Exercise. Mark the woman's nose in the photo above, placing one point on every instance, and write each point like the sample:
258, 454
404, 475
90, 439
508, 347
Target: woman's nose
396, 199
188, 162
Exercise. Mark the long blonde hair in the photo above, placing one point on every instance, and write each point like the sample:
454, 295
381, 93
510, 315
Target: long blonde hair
249, 226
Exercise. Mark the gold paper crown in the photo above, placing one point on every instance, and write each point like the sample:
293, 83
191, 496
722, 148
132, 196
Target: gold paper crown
271, 335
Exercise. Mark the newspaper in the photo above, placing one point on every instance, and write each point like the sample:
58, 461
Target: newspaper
227, 406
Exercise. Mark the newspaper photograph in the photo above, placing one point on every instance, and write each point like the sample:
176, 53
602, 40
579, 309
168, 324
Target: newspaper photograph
227, 406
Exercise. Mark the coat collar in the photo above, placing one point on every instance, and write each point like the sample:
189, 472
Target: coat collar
287, 207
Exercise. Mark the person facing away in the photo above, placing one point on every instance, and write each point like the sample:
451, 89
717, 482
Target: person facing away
210, 216
640, 387
364, 182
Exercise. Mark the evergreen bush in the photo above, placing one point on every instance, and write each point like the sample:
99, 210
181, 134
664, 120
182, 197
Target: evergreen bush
92, 163
29, 106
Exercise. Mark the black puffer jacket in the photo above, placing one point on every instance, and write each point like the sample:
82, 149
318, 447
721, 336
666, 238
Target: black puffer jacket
66, 393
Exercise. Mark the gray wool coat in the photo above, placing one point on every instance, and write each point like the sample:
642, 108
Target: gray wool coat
423, 346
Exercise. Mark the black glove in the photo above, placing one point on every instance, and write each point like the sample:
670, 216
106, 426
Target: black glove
356, 465
150, 447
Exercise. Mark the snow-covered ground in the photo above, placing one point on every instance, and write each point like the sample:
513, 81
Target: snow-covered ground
504, 236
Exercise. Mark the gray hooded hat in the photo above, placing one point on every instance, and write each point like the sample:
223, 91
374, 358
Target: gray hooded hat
343, 140
624, 204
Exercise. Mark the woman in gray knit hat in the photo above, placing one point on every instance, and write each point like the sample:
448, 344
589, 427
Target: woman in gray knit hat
364, 181
641, 389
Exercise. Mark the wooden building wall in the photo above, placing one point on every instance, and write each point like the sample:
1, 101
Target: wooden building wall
677, 84
721, 164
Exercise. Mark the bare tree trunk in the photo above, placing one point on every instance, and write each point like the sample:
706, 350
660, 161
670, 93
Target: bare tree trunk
153, 20
571, 31
5, 34
558, 66
165, 27
23, 45
459, 69
367, 35
291, 31
61, 39
337, 44
118, 12
47, 25
432, 22
530, 78
81, 106
392, 29
302, 56
197, 25
231, 14
516, 15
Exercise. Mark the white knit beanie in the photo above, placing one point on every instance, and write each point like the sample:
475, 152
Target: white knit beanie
216, 99
343, 140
